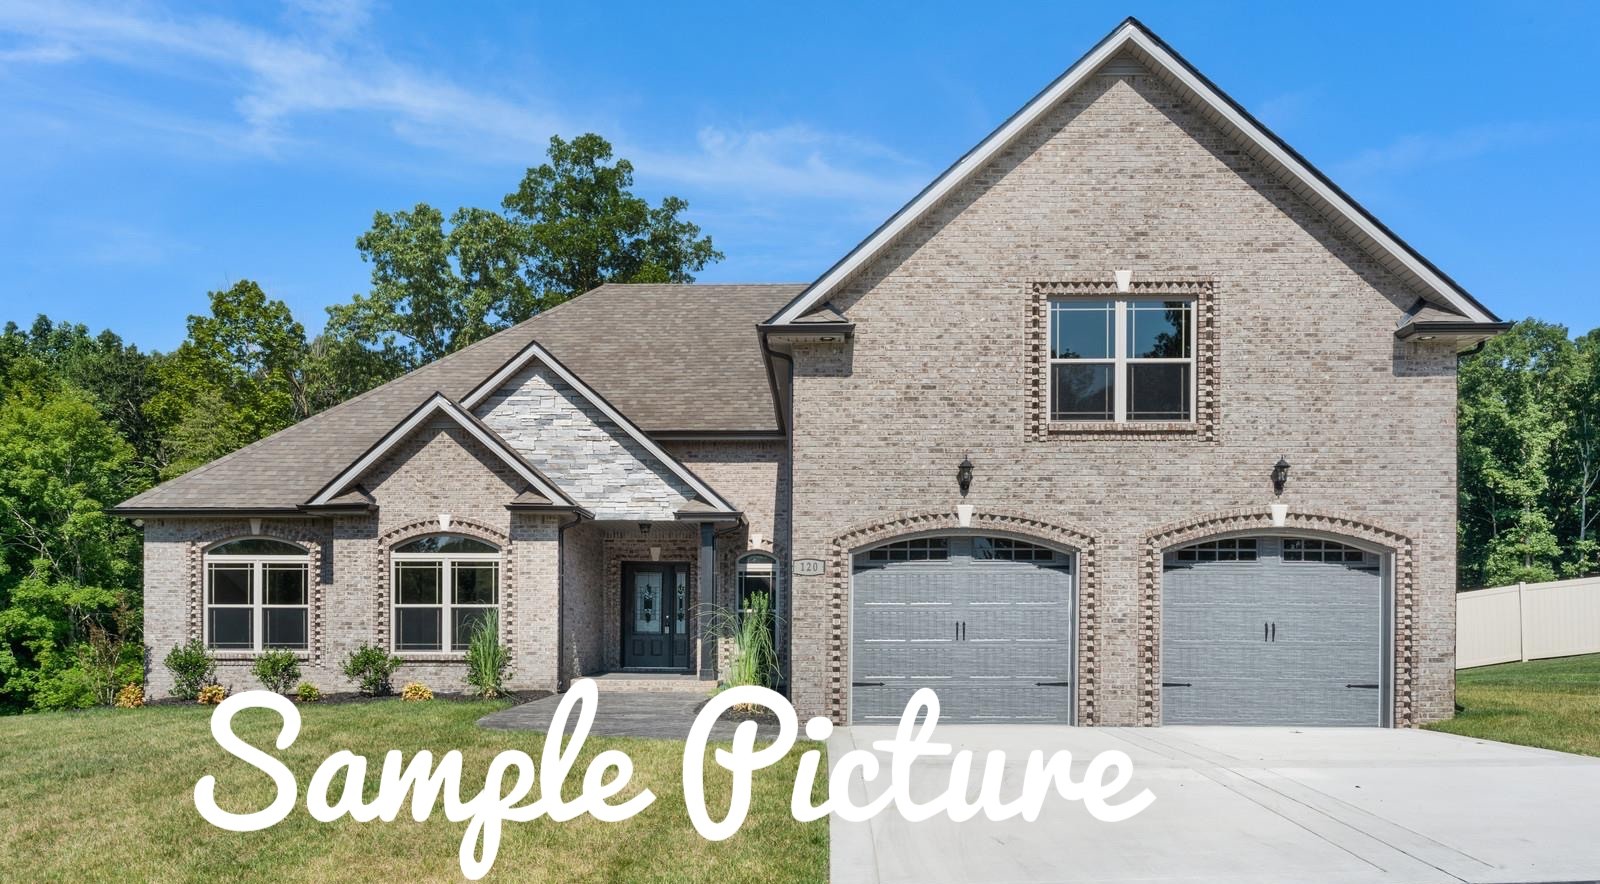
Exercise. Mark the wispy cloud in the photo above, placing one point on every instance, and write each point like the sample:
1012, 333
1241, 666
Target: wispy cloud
1412, 152
43, 53
323, 65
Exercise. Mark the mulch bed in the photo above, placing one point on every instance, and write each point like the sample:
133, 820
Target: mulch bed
759, 715
517, 698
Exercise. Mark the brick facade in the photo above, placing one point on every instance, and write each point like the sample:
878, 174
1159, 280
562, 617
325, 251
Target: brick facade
1124, 175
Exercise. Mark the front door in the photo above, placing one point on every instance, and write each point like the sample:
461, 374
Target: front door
655, 603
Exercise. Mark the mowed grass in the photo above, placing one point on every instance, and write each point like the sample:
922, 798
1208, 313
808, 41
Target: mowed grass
108, 795
1552, 704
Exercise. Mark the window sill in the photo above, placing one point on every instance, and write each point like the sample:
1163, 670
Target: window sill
1126, 428
302, 655
431, 656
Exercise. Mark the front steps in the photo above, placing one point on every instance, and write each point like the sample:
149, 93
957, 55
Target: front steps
652, 683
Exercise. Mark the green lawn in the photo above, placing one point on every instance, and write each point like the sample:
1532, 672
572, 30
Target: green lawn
1552, 704
108, 795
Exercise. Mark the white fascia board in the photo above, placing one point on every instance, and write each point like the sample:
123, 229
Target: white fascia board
978, 157
439, 403
535, 352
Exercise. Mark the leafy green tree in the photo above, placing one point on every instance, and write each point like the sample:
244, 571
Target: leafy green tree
1512, 414
1575, 484
240, 375
67, 568
572, 224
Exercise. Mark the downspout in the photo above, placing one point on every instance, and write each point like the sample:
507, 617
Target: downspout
786, 421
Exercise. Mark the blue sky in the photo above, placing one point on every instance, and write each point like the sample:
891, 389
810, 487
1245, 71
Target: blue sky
150, 153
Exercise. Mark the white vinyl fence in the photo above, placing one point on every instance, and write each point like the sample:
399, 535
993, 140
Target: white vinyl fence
1528, 621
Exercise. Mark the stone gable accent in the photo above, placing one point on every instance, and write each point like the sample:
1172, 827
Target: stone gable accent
581, 450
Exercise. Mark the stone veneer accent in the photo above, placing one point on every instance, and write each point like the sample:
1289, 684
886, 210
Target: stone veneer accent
580, 449
1402, 576
1037, 333
840, 569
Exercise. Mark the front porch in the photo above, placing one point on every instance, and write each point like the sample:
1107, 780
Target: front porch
638, 599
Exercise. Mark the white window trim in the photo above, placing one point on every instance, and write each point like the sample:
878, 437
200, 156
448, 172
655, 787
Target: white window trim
446, 605
258, 599
1120, 360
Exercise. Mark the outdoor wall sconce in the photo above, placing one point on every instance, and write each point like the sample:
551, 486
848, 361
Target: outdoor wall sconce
644, 529
964, 475
1280, 475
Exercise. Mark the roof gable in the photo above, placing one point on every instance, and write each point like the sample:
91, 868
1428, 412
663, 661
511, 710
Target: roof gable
535, 353
1133, 38
439, 405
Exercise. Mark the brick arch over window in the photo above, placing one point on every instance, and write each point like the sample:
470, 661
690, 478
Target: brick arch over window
301, 534
392, 538
871, 534
1403, 575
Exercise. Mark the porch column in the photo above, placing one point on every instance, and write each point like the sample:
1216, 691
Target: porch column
708, 598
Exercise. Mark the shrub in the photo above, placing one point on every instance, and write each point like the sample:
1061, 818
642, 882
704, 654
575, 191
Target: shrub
277, 670
307, 692
371, 667
487, 658
211, 695
130, 697
416, 690
754, 655
192, 668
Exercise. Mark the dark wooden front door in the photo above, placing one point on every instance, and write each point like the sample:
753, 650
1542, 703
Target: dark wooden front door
655, 615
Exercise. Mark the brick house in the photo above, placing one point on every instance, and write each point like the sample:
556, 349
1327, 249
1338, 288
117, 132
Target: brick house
1130, 417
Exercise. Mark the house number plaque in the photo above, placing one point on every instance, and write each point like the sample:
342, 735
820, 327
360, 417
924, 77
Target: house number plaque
809, 567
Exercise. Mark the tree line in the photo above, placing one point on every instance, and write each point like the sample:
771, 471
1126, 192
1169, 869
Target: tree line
88, 420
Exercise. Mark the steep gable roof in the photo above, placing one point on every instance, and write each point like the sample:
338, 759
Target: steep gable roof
673, 358
1132, 37
440, 405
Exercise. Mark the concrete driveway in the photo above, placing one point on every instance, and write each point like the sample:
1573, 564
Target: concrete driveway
1252, 804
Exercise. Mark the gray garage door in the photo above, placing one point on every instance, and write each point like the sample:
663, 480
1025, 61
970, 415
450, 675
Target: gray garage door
1272, 630
985, 621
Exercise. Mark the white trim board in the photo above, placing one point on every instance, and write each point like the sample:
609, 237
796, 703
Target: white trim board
439, 403
1132, 34
535, 352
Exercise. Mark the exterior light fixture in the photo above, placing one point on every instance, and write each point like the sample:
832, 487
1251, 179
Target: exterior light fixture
644, 529
1426, 337
964, 475
1280, 475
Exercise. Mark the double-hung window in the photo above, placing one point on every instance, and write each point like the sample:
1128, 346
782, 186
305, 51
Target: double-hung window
256, 595
444, 586
1123, 360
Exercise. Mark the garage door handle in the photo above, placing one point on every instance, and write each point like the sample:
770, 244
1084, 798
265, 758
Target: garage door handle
1368, 686
1176, 684
1274, 630
1052, 684
866, 684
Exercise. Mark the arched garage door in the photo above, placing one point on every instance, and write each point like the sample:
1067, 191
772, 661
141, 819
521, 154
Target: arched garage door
1272, 630
987, 622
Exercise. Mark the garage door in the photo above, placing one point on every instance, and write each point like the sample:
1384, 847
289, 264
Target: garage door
984, 621
1272, 630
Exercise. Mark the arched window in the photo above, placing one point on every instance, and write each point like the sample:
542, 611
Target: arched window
257, 595
758, 576
444, 586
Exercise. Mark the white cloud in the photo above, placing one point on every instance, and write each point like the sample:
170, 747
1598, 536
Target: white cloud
1412, 152
324, 65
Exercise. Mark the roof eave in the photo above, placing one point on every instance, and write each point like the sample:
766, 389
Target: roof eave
1464, 334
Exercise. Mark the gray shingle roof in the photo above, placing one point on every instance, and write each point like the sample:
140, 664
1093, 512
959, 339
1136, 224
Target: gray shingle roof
670, 357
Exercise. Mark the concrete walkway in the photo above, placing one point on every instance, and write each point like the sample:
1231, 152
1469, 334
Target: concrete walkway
1251, 805
661, 715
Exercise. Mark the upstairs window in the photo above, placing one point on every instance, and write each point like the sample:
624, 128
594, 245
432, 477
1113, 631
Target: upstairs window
1124, 360
444, 586
256, 595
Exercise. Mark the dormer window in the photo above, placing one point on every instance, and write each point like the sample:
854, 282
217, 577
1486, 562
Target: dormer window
1121, 360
